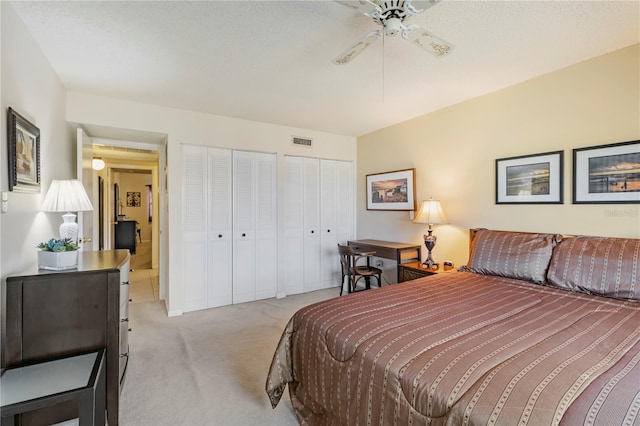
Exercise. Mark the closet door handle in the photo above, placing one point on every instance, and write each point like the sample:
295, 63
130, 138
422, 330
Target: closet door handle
244, 235
219, 235
312, 231
328, 230
125, 282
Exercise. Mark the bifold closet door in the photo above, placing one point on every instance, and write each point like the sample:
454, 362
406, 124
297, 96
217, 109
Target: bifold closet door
219, 236
336, 215
302, 224
207, 236
318, 214
254, 226
194, 227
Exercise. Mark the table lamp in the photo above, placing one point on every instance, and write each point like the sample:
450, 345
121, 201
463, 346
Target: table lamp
430, 212
67, 196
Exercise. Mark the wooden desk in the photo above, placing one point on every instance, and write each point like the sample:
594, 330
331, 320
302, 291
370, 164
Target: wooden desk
400, 252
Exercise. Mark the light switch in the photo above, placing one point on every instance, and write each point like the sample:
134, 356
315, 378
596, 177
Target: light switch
5, 196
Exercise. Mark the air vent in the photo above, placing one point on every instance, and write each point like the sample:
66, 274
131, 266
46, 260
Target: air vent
302, 141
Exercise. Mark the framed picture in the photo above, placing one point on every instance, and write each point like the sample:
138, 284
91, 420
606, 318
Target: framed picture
23, 140
530, 179
607, 174
133, 199
392, 190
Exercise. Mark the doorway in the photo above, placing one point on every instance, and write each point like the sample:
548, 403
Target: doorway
133, 167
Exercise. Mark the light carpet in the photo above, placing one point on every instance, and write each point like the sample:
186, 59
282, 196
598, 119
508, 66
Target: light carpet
207, 367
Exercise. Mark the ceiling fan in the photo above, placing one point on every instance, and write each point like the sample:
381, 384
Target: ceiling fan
391, 14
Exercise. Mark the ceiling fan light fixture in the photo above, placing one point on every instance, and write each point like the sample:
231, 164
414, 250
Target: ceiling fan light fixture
97, 163
392, 26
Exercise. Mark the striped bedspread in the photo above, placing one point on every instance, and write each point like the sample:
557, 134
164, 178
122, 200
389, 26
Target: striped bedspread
461, 348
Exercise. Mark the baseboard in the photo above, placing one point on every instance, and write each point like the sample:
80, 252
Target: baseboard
175, 313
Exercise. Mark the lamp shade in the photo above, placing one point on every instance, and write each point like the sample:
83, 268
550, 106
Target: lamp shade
66, 196
430, 212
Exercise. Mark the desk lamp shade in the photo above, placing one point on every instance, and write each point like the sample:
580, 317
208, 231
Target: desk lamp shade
67, 196
430, 212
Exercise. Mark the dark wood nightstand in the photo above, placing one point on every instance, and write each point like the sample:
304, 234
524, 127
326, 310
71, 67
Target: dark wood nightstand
413, 270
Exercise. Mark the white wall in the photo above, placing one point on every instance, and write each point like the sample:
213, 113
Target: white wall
188, 127
30, 86
454, 151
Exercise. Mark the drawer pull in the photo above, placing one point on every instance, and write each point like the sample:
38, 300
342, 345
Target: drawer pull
129, 329
244, 235
312, 231
328, 230
125, 282
124, 355
219, 235
130, 300
124, 320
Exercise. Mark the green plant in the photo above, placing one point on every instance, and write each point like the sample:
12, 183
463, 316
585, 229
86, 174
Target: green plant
58, 245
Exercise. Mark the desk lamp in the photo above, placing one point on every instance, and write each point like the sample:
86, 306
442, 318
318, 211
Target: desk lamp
430, 212
67, 196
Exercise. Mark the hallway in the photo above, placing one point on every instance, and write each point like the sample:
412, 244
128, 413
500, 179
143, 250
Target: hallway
144, 282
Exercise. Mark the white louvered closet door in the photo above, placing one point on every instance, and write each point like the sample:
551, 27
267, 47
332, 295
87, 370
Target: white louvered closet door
266, 220
220, 238
311, 224
293, 225
345, 201
328, 219
254, 226
194, 227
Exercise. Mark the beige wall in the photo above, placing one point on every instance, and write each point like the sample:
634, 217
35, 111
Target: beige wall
454, 150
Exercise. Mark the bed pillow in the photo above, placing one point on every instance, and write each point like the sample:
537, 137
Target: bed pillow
597, 265
517, 255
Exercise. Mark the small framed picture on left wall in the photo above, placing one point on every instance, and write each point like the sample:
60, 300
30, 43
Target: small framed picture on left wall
23, 141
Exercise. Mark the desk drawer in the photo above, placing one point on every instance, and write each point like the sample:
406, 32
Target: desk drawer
385, 252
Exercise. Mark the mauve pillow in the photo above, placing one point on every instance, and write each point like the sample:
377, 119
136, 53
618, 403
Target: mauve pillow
517, 255
598, 265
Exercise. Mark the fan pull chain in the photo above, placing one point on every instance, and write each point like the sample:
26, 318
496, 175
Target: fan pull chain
383, 38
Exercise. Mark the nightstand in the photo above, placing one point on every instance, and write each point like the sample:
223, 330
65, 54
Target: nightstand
413, 270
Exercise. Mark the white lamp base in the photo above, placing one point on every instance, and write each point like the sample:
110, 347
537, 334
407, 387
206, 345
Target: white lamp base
69, 228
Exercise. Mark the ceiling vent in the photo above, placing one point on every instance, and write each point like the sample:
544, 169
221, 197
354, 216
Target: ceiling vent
302, 141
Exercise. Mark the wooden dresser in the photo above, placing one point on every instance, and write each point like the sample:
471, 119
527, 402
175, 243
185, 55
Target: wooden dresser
48, 314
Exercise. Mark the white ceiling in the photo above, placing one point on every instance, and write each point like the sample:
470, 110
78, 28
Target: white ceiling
270, 61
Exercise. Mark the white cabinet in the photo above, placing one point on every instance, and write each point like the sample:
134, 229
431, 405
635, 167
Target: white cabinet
319, 214
229, 226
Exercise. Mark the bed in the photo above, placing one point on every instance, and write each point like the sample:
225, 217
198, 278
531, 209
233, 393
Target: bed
538, 329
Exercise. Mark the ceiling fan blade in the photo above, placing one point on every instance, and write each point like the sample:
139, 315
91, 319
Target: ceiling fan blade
429, 42
424, 7
356, 48
358, 5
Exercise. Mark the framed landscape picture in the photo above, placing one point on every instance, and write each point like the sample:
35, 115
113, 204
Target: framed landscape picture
23, 140
392, 190
530, 179
607, 174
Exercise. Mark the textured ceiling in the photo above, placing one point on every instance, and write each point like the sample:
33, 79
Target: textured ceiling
270, 61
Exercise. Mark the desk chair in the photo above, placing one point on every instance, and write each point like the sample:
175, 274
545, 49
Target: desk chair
349, 263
